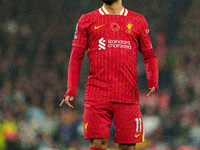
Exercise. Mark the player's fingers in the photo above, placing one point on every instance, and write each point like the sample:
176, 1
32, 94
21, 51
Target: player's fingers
152, 90
62, 102
67, 98
149, 94
67, 102
71, 98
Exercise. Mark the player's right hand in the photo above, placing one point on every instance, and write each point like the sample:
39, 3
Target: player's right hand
66, 101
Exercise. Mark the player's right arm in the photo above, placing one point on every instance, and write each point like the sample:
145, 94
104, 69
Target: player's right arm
74, 68
78, 50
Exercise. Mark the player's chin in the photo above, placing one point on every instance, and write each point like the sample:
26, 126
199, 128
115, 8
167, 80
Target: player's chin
109, 2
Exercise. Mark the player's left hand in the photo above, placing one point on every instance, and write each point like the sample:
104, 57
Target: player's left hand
151, 91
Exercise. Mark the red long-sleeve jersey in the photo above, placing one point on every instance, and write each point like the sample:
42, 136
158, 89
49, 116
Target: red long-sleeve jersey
113, 42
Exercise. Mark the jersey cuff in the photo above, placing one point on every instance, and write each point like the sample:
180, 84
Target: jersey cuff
70, 93
153, 85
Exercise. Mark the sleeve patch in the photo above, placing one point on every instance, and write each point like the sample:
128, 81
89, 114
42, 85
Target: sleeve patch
76, 32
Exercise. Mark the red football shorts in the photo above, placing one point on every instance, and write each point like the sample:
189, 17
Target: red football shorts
127, 119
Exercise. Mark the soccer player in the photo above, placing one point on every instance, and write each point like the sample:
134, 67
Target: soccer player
112, 35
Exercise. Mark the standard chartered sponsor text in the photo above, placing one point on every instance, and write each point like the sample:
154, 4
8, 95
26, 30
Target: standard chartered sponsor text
119, 44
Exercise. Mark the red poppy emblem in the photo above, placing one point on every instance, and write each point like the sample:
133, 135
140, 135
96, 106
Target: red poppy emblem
115, 26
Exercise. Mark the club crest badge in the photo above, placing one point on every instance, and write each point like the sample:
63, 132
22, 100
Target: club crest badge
129, 26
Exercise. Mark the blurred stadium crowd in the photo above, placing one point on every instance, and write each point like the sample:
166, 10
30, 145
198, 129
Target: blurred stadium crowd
35, 44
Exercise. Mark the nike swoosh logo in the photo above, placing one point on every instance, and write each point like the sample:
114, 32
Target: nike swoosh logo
136, 135
97, 27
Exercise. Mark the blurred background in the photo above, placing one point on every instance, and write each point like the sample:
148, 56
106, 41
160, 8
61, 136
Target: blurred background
35, 45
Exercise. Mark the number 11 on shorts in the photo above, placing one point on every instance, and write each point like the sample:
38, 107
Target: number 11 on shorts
138, 124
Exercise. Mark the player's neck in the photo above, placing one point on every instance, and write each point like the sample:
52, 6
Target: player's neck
115, 8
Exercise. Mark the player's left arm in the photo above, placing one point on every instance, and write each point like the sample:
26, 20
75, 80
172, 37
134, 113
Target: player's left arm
149, 57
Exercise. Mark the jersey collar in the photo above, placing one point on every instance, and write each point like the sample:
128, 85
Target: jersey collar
103, 11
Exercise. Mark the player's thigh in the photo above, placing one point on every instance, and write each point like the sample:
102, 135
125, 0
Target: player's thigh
97, 120
128, 124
